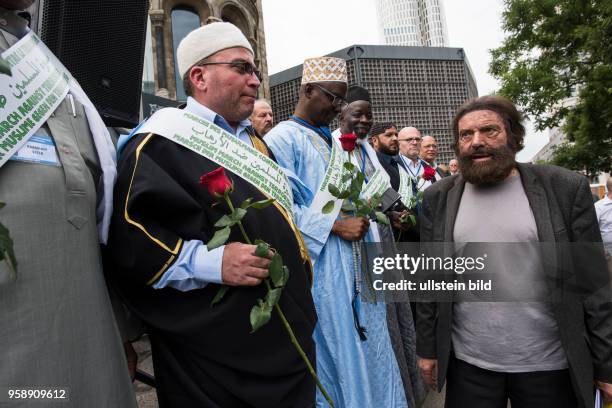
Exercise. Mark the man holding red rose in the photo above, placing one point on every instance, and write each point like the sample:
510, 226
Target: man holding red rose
355, 355
207, 356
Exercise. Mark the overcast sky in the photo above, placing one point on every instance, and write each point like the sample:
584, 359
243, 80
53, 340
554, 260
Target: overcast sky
296, 30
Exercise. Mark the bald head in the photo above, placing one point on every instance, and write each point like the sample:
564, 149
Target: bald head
453, 166
429, 149
409, 142
261, 118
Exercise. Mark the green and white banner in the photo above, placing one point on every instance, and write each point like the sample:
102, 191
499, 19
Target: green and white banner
377, 185
333, 175
216, 144
405, 186
28, 97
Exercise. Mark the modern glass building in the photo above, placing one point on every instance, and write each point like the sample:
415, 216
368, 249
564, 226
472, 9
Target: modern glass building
411, 86
418, 23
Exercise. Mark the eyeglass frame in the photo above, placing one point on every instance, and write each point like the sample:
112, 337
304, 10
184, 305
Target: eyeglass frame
239, 64
411, 139
330, 94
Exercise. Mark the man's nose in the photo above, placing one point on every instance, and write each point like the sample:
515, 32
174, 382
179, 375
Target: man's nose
478, 139
253, 81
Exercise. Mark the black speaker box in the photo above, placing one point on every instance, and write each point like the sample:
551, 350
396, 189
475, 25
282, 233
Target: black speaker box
101, 42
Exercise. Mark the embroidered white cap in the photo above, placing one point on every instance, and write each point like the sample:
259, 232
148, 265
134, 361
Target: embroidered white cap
324, 69
206, 41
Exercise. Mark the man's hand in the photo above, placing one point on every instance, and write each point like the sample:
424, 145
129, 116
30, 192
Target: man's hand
131, 357
351, 229
429, 371
396, 216
241, 268
606, 391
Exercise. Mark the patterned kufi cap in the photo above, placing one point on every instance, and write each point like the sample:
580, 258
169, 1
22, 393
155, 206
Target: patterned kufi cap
324, 69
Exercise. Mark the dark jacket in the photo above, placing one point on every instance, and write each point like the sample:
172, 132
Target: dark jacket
563, 210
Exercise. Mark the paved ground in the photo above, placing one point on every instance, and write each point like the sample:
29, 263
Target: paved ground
145, 395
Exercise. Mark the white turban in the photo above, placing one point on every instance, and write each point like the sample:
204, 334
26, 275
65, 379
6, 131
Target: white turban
206, 41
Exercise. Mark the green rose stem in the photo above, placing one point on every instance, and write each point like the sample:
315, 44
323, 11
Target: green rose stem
294, 340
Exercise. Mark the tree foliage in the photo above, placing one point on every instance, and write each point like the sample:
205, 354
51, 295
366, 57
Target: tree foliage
554, 50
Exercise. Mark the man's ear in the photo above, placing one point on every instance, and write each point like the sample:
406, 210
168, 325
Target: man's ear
308, 90
198, 75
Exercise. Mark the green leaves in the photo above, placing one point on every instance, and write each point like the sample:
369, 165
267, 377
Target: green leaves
260, 315
5, 68
262, 249
220, 293
232, 219
381, 218
220, 238
540, 66
258, 205
277, 271
349, 166
246, 203
273, 297
328, 207
333, 190
7, 253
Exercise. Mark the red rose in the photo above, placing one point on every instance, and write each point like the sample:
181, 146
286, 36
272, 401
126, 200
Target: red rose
348, 142
429, 173
217, 182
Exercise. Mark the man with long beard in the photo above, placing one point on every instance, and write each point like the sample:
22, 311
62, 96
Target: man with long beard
534, 354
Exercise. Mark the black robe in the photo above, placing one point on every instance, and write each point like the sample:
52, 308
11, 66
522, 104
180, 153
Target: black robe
205, 356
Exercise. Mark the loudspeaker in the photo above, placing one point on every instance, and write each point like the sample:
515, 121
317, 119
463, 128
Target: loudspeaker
102, 45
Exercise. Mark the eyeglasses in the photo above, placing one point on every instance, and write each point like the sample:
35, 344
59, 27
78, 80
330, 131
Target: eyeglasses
336, 100
410, 139
490, 132
243, 67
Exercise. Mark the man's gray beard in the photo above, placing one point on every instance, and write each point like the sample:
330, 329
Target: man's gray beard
496, 169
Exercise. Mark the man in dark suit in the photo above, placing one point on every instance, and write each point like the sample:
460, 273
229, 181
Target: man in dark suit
535, 354
384, 141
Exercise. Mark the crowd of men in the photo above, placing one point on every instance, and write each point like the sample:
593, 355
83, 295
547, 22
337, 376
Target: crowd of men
57, 326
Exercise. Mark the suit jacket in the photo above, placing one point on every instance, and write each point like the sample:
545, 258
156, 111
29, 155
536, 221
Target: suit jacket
412, 235
391, 170
563, 210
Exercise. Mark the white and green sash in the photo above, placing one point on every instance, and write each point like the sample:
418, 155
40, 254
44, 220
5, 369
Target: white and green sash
39, 83
30, 95
218, 145
405, 186
333, 175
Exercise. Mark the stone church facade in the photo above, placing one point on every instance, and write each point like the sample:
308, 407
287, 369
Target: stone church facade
171, 20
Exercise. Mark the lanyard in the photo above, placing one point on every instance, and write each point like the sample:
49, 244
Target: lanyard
320, 131
408, 165
363, 162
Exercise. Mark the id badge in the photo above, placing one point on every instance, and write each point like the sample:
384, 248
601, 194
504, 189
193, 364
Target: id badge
39, 149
